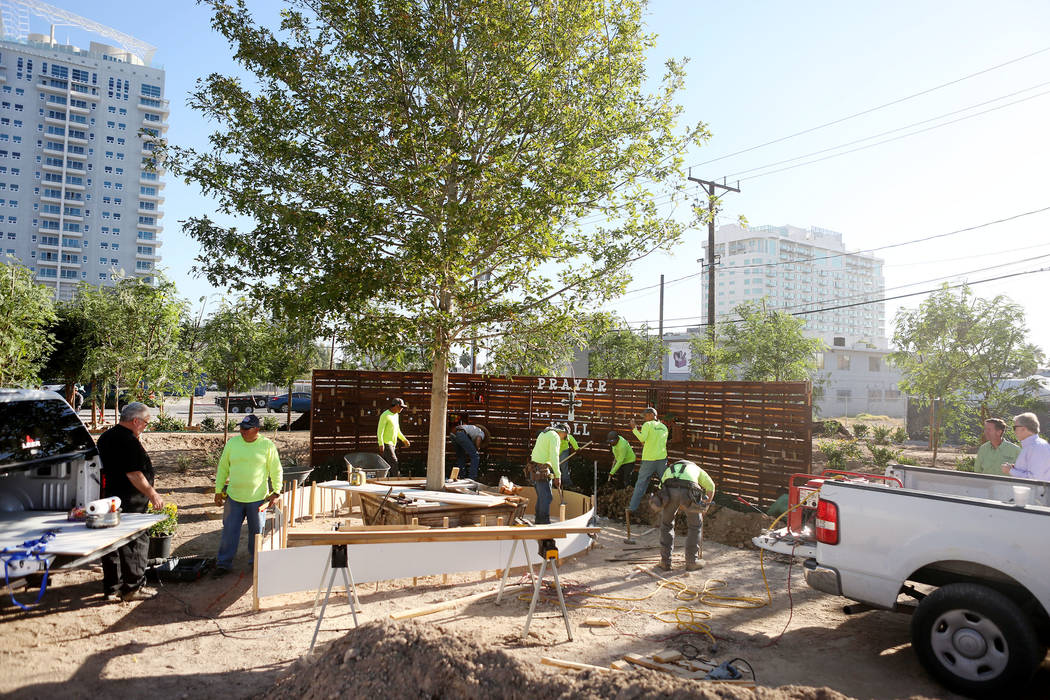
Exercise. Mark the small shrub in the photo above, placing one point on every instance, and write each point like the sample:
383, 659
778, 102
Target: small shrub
860, 430
882, 456
210, 425
232, 426
271, 423
838, 452
965, 464
880, 435
169, 525
900, 436
830, 428
183, 463
167, 423
910, 461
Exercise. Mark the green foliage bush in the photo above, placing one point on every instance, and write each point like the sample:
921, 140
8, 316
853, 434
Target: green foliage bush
210, 425
900, 436
830, 428
271, 423
911, 461
232, 425
965, 464
167, 423
882, 456
880, 434
838, 452
860, 430
169, 525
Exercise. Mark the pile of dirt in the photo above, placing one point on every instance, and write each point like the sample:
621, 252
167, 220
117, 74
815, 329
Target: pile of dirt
734, 527
613, 502
411, 660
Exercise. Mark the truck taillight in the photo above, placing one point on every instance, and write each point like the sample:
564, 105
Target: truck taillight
827, 522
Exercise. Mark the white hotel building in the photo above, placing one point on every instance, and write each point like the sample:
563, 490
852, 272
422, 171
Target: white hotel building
76, 201
798, 270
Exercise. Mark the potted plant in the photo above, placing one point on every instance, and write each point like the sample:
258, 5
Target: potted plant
161, 532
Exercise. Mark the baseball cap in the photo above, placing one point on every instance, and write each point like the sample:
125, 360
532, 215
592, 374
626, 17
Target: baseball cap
613, 437
398, 402
250, 421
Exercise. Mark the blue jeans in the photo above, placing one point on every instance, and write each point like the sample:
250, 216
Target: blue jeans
566, 478
646, 469
465, 448
233, 514
544, 498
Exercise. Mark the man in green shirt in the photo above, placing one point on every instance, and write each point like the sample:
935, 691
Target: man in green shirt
544, 469
683, 486
622, 453
249, 474
995, 452
653, 437
389, 432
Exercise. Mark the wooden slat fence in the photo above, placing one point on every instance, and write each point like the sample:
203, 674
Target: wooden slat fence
749, 436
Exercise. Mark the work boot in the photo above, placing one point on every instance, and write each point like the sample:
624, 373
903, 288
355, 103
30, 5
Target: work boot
142, 593
219, 572
664, 566
694, 565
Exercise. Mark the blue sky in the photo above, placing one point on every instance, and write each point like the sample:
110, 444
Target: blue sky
760, 70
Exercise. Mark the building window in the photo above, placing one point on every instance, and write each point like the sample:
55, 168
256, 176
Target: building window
838, 342
843, 393
843, 362
874, 365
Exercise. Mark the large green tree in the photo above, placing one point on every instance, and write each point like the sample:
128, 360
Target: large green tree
27, 310
758, 346
429, 167
292, 352
626, 354
236, 342
955, 348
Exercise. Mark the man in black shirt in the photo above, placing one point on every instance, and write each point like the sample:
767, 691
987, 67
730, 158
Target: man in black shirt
127, 473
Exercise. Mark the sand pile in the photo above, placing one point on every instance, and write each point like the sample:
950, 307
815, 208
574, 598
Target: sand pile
414, 660
734, 527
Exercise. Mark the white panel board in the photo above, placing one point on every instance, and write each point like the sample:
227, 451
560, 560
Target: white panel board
299, 568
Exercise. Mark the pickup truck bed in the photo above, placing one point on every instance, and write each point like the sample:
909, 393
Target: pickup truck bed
979, 540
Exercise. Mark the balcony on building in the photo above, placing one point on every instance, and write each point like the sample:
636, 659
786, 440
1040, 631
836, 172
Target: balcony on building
160, 126
153, 105
48, 86
79, 110
55, 121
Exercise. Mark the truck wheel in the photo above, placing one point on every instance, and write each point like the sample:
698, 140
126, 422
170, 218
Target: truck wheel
249, 409
975, 640
235, 409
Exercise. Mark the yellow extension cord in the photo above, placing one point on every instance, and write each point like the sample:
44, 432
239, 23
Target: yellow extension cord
686, 618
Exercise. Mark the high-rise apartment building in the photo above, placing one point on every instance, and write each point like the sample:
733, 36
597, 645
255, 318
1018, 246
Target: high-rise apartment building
798, 270
77, 200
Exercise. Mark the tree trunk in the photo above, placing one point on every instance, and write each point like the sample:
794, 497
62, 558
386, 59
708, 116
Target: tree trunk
933, 409
933, 433
193, 395
438, 413
116, 403
94, 413
226, 417
289, 406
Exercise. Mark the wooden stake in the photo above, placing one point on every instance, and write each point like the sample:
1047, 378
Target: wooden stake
255, 573
561, 512
313, 500
499, 522
575, 665
295, 499
484, 522
444, 522
596, 622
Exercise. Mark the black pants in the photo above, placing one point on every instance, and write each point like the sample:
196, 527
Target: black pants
390, 455
124, 569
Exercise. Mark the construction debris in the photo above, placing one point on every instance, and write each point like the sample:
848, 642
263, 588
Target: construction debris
410, 660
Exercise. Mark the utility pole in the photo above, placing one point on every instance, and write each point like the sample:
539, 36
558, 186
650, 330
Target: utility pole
709, 187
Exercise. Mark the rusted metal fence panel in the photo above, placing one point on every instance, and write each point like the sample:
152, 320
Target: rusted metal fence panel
749, 436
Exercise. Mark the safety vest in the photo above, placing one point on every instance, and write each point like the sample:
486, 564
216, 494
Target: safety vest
686, 471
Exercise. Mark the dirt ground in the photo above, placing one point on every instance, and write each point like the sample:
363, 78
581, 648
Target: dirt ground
203, 640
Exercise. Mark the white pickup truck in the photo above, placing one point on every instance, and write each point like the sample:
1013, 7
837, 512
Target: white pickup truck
970, 548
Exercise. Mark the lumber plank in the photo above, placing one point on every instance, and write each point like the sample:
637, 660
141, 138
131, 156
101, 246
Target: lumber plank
667, 656
596, 622
448, 604
575, 665
639, 660
304, 537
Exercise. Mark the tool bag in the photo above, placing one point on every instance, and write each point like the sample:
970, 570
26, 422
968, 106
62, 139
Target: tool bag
696, 494
534, 471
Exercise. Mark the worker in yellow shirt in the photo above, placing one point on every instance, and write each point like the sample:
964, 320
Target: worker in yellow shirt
653, 437
389, 432
544, 469
249, 474
623, 455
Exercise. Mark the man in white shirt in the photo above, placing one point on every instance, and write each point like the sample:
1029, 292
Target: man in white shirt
1034, 460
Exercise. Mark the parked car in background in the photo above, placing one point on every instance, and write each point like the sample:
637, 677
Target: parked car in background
300, 402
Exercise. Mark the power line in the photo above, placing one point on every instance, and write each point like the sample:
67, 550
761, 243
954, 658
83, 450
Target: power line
858, 252
895, 138
884, 299
899, 128
875, 109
